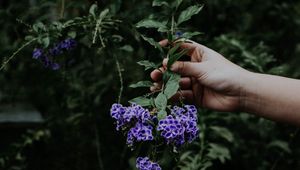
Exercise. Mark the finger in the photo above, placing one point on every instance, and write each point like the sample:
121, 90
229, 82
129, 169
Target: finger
186, 68
185, 95
156, 86
185, 83
164, 42
157, 74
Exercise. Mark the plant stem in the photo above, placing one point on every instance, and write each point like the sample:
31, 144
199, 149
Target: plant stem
121, 79
16, 52
173, 25
62, 9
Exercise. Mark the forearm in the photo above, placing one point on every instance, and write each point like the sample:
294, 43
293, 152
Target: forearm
273, 97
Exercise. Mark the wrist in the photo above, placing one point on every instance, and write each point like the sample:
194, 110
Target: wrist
248, 89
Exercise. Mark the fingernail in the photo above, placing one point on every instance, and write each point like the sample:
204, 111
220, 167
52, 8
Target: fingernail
165, 62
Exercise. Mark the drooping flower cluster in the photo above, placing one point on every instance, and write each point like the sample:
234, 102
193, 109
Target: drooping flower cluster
180, 126
136, 119
47, 57
146, 164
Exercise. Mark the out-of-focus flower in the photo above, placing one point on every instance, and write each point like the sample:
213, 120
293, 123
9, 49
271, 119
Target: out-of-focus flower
146, 164
37, 53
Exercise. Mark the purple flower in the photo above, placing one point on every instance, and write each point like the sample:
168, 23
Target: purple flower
146, 164
55, 51
140, 132
180, 126
46, 61
55, 66
68, 44
37, 53
178, 34
172, 130
136, 119
117, 111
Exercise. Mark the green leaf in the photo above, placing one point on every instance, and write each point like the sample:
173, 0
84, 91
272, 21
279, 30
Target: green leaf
188, 13
57, 25
147, 64
284, 146
161, 101
219, 152
93, 10
72, 34
223, 132
161, 114
142, 84
189, 35
174, 49
143, 101
28, 37
172, 85
152, 42
103, 14
175, 57
127, 48
185, 155
177, 3
46, 42
39, 27
159, 3
149, 23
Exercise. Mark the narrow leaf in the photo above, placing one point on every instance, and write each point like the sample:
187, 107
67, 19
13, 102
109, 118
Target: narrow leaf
189, 35
46, 42
161, 114
188, 13
142, 84
149, 23
177, 3
93, 9
172, 85
143, 101
159, 3
103, 14
147, 64
174, 49
223, 132
175, 57
161, 101
152, 42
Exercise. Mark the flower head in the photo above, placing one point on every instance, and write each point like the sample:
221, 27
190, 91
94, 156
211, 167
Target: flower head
68, 44
178, 34
140, 132
180, 126
37, 53
136, 119
146, 164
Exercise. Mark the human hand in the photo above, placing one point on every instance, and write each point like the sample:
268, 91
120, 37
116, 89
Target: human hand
208, 79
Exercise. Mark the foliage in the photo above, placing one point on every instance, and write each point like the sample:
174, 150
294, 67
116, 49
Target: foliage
261, 36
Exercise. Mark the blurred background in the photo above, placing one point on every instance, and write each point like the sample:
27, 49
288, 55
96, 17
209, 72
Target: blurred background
59, 120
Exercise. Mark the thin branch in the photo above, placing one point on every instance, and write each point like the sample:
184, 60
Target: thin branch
62, 9
121, 79
16, 52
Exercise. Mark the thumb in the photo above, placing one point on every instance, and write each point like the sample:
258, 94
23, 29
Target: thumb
187, 68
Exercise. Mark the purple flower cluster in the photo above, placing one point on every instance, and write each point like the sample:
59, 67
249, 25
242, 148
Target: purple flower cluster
146, 164
178, 34
180, 126
44, 56
136, 118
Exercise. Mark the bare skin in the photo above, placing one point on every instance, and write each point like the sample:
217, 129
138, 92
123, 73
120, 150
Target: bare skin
211, 81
